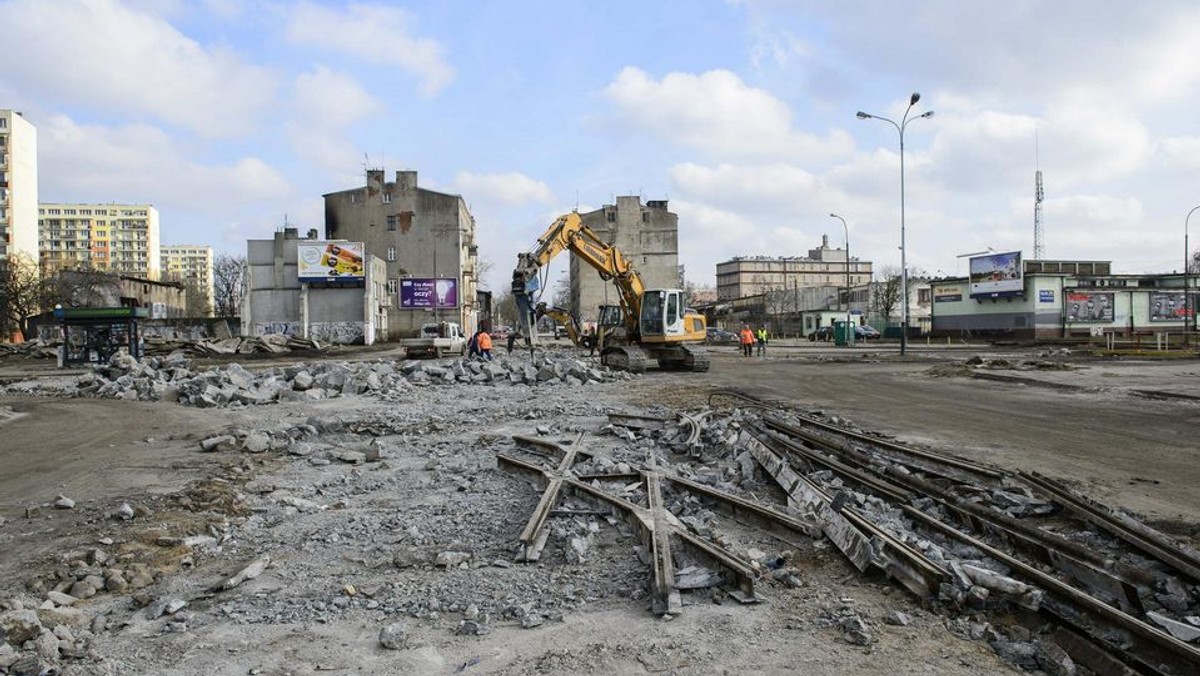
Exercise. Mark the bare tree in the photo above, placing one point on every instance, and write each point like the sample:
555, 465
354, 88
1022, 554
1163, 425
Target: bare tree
229, 277
504, 309
561, 295
482, 267
80, 287
20, 293
196, 299
885, 298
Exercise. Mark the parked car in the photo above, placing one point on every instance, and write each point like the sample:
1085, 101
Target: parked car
822, 333
500, 332
560, 331
720, 336
866, 332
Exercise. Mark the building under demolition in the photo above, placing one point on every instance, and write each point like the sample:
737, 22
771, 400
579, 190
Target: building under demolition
648, 236
328, 291
426, 240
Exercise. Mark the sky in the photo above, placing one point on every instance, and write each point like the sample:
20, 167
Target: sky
231, 117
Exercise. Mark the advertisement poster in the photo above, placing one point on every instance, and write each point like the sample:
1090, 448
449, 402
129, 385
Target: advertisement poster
428, 293
330, 261
1087, 306
997, 275
947, 293
1046, 296
1170, 307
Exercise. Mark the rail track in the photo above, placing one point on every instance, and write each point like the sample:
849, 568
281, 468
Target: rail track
1120, 591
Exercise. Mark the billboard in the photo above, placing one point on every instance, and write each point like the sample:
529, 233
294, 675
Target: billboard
1089, 306
1170, 307
429, 293
330, 261
997, 275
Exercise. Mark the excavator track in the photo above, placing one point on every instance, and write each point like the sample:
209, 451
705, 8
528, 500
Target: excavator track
624, 358
697, 359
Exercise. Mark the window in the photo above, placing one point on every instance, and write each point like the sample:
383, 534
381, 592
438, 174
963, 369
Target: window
923, 296
393, 285
610, 216
3, 122
391, 222
387, 198
354, 198
645, 216
391, 253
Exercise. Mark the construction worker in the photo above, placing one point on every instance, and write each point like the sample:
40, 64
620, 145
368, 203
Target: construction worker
747, 337
485, 345
761, 337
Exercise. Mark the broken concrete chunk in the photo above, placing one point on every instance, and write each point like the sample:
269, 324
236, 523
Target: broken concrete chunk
20, 626
394, 636
450, 559
1181, 631
223, 442
63, 502
258, 442
124, 512
253, 570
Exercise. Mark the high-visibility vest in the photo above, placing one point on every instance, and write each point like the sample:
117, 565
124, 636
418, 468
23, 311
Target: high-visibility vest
747, 336
485, 341
762, 335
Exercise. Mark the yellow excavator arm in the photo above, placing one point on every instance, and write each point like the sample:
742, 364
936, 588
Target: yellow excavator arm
568, 233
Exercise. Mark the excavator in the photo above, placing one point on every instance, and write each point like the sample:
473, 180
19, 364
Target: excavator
648, 324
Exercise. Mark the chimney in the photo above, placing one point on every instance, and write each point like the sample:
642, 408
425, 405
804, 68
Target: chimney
824, 241
312, 233
375, 179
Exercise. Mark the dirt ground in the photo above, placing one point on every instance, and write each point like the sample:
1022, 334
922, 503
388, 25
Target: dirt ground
1123, 448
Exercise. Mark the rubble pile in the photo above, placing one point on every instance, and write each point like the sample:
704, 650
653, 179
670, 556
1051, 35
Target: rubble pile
37, 349
264, 344
170, 378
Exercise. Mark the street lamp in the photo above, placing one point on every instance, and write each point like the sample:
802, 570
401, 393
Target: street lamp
912, 101
1189, 321
846, 230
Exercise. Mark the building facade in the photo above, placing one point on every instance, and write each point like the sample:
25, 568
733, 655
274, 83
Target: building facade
277, 301
193, 266
426, 240
1066, 299
648, 236
18, 186
752, 275
119, 238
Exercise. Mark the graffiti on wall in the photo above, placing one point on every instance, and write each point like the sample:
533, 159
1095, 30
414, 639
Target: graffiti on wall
277, 328
340, 333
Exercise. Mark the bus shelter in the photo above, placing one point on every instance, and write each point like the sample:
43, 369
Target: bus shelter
94, 334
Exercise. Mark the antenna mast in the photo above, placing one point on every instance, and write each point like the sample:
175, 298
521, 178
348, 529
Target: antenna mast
1039, 244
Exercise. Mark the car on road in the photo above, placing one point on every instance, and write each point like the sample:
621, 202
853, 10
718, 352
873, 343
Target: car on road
720, 336
822, 333
500, 332
866, 332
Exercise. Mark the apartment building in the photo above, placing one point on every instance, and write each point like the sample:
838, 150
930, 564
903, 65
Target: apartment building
193, 266
120, 238
18, 185
744, 276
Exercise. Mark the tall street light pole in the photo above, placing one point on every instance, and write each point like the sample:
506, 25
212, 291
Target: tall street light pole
912, 101
1189, 321
846, 230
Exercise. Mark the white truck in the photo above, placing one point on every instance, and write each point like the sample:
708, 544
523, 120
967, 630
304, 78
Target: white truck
436, 340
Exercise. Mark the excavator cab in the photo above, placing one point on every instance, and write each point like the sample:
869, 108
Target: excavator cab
665, 317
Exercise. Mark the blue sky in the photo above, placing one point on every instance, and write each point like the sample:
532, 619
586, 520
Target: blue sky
227, 115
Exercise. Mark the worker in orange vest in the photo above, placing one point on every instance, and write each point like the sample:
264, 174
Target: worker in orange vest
747, 337
485, 345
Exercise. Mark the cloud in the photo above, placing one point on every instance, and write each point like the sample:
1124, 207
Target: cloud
377, 34
715, 113
138, 163
507, 189
1182, 151
327, 103
104, 56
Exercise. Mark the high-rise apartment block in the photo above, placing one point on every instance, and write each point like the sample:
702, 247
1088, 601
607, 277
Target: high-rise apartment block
192, 265
18, 186
120, 238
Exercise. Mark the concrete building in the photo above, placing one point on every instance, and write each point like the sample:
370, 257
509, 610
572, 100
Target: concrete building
1065, 299
752, 275
344, 311
193, 266
426, 239
88, 288
18, 186
120, 238
648, 236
